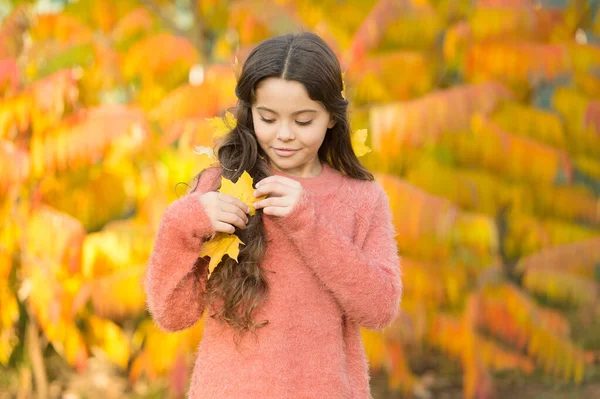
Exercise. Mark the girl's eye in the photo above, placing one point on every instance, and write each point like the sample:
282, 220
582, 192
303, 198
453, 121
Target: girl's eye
297, 122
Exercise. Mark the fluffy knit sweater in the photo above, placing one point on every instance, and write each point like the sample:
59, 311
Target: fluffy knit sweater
333, 268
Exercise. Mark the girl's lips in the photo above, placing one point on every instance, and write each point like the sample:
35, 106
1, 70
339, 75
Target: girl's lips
284, 152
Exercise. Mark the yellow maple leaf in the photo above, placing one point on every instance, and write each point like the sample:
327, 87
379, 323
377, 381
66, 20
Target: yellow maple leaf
222, 127
358, 142
220, 245
242, 189
223, 243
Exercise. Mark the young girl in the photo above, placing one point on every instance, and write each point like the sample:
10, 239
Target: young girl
320, 258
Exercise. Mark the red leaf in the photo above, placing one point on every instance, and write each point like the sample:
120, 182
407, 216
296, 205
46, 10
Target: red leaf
9, 76
178, 376
373, 27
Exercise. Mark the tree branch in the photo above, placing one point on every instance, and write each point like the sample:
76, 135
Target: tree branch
197, 29
34, 351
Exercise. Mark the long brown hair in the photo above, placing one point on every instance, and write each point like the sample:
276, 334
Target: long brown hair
302, 57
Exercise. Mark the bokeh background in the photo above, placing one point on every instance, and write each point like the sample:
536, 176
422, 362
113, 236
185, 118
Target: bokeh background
483, 121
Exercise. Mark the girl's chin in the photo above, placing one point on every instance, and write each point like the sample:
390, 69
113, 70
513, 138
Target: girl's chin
289, 166
285, 163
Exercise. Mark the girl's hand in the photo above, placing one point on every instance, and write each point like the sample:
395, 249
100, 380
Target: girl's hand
225, 211
283, 195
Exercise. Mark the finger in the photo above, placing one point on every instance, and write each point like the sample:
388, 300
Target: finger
272, 188
230, 199
275, 210
233, 209
282, 179
224, 228
233, 219
272, 201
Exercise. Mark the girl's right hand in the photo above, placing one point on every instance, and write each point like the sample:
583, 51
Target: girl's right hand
226, 212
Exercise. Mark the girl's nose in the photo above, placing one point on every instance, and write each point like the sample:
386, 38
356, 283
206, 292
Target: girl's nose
285, 133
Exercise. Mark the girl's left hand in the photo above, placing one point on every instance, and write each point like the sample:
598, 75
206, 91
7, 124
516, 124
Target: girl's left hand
283, 195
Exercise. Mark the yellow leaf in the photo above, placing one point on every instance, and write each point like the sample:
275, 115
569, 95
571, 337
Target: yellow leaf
222, 127
228, 244
358, 142
73, 346
222, 244
107, 337
375, 347
242, 189
205, 158
160, 349
113, 297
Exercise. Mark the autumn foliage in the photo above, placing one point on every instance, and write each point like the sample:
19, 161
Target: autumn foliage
481, 119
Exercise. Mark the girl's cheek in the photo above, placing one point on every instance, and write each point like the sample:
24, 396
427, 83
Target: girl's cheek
263, 129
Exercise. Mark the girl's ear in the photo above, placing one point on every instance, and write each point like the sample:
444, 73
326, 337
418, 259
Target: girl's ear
332, 121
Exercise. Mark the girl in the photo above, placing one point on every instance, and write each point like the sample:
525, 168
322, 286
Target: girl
319, 260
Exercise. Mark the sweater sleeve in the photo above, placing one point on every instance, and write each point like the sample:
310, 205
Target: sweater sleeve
365, 279
175, 281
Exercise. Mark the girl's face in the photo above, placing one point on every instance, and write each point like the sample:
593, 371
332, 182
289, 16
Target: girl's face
290, 126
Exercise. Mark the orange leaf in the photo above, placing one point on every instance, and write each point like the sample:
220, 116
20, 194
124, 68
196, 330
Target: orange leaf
9, 76
423, 120
83, 138
373, 27
216, 92
137, 22
144, 60
14, 167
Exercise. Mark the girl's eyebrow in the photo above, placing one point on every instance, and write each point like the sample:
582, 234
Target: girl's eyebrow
293, 113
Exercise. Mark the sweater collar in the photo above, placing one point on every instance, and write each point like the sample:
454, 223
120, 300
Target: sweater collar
327, 182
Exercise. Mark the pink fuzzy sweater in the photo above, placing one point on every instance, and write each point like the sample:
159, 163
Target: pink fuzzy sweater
334, 268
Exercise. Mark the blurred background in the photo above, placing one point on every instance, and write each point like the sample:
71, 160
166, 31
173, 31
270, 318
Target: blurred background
483, 125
